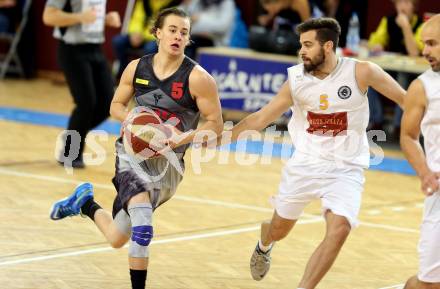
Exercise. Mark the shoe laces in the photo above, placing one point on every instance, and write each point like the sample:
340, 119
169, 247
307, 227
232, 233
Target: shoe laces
261, 258
67, 211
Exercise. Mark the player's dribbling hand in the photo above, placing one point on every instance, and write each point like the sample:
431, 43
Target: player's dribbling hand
430, 183
175, 136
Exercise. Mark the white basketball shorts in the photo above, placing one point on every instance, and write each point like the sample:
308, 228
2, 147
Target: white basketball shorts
338, 186
429, 243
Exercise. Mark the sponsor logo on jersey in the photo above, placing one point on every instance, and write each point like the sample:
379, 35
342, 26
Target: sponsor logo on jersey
142, 81
327, 124
344, 92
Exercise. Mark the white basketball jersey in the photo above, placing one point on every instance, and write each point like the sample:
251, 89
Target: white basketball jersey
431, 120
330, 116
431, 134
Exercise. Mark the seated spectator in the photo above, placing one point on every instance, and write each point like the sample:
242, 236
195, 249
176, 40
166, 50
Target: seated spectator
7, 14
284, 14
139, 39
341, 10
399, 33
212, 23
277, 32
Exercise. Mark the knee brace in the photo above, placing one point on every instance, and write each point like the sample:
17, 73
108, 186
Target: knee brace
141, 229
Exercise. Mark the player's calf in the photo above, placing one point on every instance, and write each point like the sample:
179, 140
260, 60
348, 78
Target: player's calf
141, 236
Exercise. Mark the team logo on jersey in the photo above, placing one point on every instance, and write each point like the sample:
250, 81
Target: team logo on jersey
344, 92
157, 97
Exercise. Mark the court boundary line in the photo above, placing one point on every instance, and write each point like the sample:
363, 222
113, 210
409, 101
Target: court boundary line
313, 219
199, 200
154, 242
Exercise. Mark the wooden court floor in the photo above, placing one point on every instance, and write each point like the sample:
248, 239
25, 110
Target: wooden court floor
204, 236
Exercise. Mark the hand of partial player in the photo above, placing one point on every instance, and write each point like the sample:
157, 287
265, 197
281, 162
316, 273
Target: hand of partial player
112, 19
430, 183
88, 16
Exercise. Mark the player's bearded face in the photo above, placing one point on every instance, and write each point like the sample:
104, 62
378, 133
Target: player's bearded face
311, 64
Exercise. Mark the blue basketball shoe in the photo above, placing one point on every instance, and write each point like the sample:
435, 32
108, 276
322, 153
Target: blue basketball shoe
71, 205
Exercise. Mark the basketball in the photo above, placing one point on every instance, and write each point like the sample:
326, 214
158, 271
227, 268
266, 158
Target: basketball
143, 135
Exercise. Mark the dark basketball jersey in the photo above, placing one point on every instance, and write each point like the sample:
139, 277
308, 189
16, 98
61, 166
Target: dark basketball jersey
169, 97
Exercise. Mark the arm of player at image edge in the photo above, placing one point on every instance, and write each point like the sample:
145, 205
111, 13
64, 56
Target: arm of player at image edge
414, 110
369, 74
259, 120
204, 90
124, 92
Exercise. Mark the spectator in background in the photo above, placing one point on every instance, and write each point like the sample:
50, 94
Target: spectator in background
7, 13
212, 23
284, 14
399, 33
277, 31
139, 39
80, 33
341, 10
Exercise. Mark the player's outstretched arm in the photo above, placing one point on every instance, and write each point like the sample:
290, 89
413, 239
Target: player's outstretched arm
371, 74
267, 114
124, 92
415, 105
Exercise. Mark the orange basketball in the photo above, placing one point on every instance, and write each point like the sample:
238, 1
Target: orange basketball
144, 134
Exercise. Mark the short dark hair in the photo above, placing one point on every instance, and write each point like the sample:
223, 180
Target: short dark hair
160, 18
327, 29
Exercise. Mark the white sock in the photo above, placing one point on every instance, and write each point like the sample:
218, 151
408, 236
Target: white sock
263, 248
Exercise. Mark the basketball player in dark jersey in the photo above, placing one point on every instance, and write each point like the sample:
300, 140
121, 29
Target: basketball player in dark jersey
178, 90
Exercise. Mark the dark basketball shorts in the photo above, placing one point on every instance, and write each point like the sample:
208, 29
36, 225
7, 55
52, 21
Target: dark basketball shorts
157, 176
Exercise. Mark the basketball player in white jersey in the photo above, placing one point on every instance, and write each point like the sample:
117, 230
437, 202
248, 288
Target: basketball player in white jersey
328, 96
422, 112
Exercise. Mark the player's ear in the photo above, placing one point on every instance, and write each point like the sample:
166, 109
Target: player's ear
328, 46
159, 34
